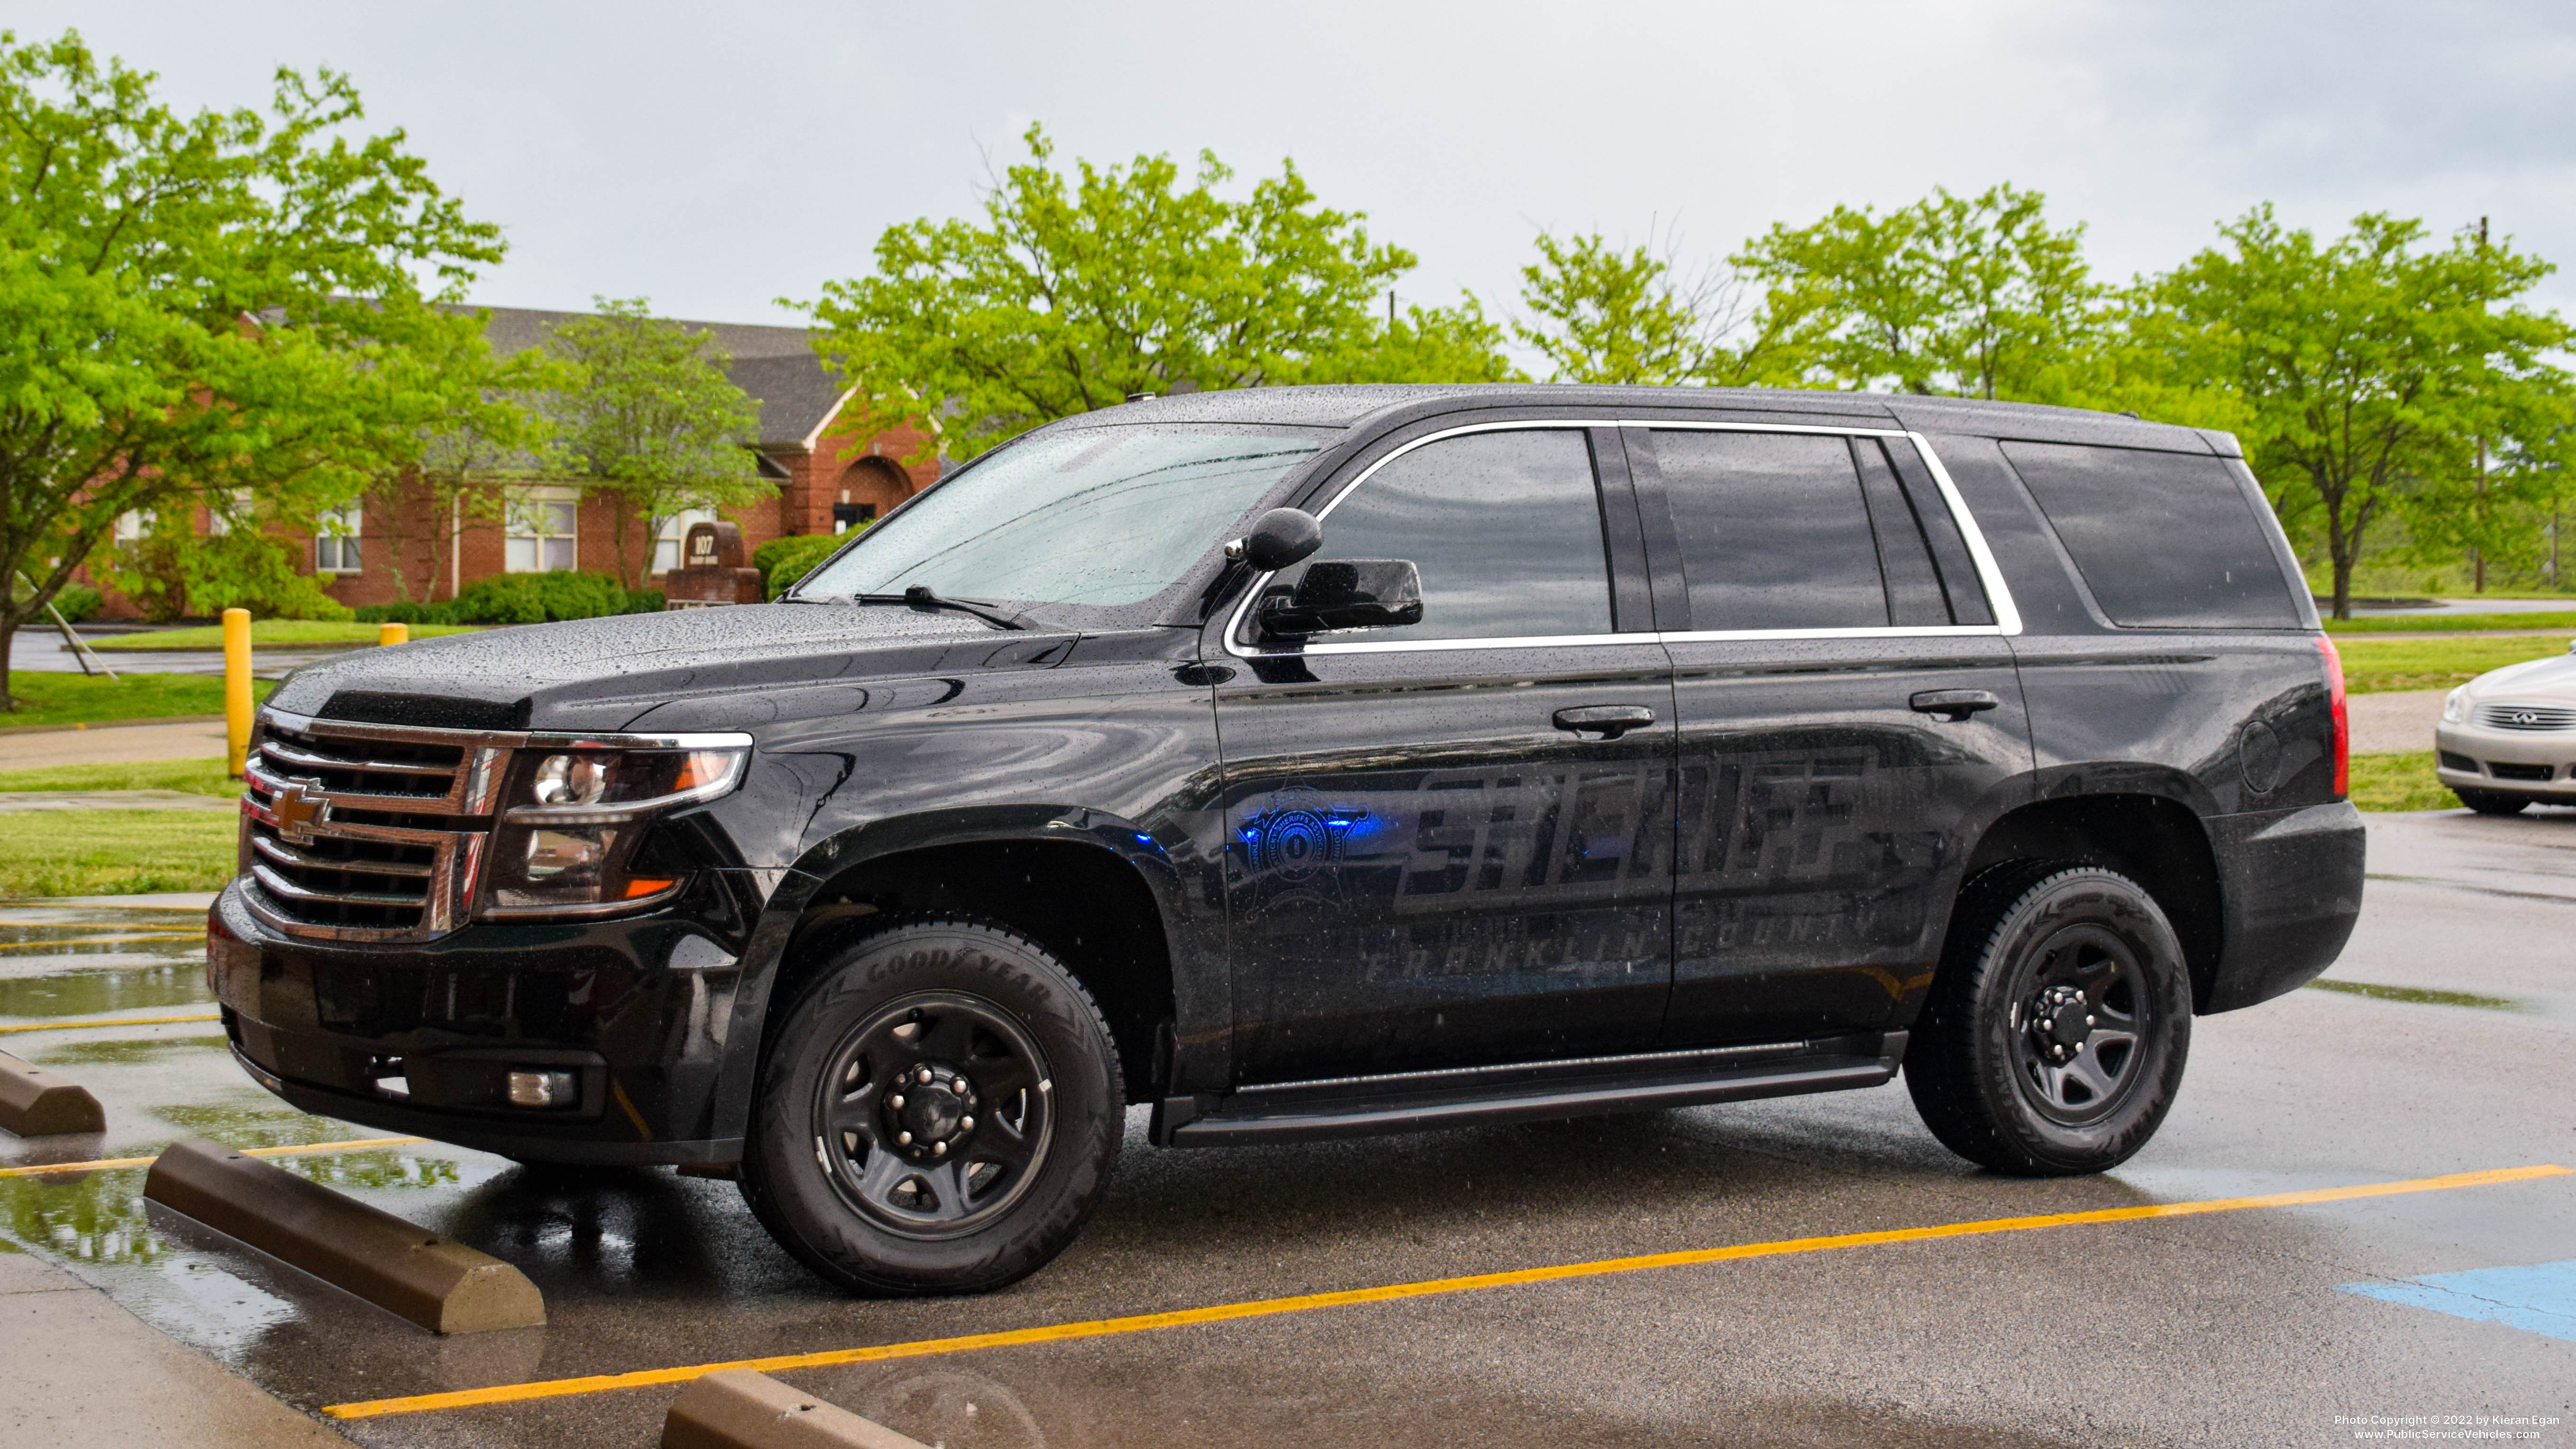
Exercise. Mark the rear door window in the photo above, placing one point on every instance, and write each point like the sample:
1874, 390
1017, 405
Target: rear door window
1505, 528
1774, 531
2164, 540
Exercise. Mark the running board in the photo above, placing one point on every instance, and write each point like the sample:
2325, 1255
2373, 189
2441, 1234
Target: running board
1523, 1091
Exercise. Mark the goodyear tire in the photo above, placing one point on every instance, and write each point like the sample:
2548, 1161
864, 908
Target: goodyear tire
938, 1110
2054, 1040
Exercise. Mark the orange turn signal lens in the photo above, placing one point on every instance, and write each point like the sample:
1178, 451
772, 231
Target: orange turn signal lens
644, 886
702, 767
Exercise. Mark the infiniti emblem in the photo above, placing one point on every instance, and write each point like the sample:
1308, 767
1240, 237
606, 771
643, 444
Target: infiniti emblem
2525, 717
298, 812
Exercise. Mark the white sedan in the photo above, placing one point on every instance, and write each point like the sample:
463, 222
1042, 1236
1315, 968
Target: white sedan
2508, 737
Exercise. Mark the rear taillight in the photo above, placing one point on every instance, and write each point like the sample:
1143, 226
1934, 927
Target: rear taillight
2342, 719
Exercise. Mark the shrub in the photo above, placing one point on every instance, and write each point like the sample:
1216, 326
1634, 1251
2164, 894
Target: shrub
782, 561
646, 601
79, 602
171, 577
538, 598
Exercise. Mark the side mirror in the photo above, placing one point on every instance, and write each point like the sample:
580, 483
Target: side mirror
1359, 593
1278, 538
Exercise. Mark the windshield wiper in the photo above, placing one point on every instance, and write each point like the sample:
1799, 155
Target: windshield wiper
919, 596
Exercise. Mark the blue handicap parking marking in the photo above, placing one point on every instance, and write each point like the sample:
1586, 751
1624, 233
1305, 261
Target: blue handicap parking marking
2540, 1298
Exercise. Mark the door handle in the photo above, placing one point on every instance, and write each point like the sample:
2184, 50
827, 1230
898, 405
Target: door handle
1954, 704
1609, 721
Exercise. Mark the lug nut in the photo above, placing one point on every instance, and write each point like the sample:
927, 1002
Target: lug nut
922, 1076
939, 1149
903, 1138
965, 1124
895, 1101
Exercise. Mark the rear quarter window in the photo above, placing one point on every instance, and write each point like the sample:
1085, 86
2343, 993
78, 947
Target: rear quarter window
2164, 540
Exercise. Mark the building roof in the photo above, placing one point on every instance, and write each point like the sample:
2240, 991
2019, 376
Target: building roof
513, 329
775, 365
795, 394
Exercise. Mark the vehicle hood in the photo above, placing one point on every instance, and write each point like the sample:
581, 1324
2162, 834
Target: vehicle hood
2539, 681
693, 669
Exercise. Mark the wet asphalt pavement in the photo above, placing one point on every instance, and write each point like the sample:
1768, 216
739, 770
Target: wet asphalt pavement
2441, 1047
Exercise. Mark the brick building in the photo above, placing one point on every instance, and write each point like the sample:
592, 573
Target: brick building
827, 477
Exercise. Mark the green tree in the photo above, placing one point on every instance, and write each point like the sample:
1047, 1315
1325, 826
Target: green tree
1424, 344
1974, 297
2367, 370
1075, 291
650, 418
467, 458
1611, 316
198, 305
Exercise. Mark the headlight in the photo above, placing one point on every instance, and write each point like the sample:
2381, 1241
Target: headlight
572, 817
2456, 707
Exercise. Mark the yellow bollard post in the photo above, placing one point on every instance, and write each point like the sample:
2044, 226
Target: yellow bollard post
392, 634
236, 690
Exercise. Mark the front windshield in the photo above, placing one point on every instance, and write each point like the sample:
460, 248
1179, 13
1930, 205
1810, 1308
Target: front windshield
1096, 516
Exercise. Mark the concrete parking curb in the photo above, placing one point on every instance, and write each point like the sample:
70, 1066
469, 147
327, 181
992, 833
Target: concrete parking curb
747, 1409
442, 1286
36, 1103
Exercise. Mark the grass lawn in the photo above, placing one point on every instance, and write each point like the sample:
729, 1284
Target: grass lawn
269, 631
115, 852
2399, 782
2371, 666
2421, 623
197, 777
47, 698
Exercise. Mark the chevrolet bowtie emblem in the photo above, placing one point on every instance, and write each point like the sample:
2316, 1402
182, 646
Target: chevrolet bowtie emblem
298, 812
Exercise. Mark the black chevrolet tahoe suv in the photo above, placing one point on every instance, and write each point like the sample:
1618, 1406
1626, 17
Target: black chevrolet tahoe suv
1306, 762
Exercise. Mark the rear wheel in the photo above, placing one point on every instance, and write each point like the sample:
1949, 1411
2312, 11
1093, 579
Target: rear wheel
938, 1111
2490, 802
2054, 1039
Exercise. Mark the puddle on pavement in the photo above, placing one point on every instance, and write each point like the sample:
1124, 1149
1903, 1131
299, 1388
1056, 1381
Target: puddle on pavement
1029, 1400
98, 1219
103, 991
160, 1084
88, 960
126, 1053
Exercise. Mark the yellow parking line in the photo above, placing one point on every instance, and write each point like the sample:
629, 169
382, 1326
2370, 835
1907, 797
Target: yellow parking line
112, 1021
1266, 1307
102, 940
106, 1163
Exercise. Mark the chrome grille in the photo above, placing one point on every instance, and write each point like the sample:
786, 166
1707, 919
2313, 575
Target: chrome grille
2529, 717
365, 832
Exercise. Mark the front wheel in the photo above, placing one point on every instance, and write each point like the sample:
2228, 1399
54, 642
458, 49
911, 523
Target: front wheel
2489, 802
2054, 1039
938, 1111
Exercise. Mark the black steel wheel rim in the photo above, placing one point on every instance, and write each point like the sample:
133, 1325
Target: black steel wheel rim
2081, 1023
934, 1115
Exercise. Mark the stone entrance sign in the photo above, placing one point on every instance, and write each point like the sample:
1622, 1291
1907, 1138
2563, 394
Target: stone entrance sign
712, 570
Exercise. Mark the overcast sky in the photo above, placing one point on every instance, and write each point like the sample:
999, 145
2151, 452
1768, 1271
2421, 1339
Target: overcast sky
717, 157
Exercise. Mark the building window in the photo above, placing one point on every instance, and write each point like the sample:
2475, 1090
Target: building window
130, 525
219, 521
666, 549
542, 530
335, 542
